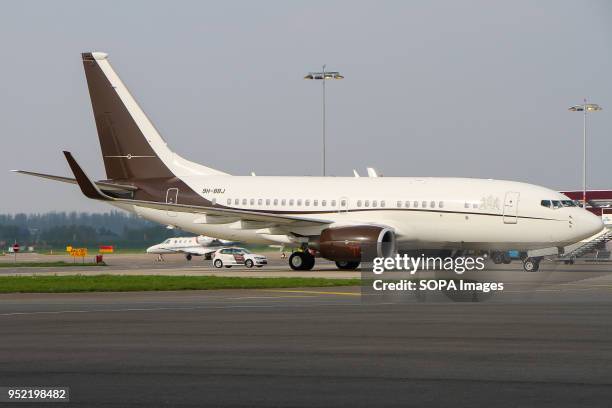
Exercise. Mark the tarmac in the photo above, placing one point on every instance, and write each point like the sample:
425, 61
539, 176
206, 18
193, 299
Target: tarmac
547, 344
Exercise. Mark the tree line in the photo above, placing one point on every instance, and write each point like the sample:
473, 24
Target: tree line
58, 229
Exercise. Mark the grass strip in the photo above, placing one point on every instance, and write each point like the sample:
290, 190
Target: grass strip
129, 283
46, 264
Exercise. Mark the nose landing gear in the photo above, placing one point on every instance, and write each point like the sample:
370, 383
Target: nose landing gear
532, 264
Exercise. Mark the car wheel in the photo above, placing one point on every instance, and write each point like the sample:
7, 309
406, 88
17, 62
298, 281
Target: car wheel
248, 263
218, 263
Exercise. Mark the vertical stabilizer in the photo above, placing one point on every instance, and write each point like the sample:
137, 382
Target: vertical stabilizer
131, 146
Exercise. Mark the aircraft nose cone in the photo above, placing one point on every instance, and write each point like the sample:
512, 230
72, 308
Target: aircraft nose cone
595, 223
589, 224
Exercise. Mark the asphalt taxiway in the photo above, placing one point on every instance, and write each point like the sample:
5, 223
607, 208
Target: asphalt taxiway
309, 348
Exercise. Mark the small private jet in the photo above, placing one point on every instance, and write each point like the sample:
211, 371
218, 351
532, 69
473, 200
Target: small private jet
190, 246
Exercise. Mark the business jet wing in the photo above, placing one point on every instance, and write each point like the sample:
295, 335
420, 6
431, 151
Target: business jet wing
91, 190
103, 185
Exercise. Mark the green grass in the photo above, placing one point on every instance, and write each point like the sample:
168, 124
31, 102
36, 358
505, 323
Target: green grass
46, 264
128, 283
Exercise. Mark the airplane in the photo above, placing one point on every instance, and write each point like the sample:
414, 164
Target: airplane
190, 246
342, 219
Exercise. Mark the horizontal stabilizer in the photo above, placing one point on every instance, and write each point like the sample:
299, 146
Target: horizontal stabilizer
104, 185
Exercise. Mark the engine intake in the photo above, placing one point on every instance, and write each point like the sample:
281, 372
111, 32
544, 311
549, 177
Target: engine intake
356, 243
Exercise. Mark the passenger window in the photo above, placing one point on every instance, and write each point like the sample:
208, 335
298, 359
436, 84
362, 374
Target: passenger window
284, 202
333, 203
432, 204
424, 204
441, 204
343, 203
323, 203
299, 202
399, 204
358, 203
374, 203
407, 204
244, 201
475, 206
315, 203
252, 201
307, 203
382, 203
237, 201
367, 203
229, 201
260, 201
267, 201
276, 201
545, 203
467, 205
291, 201
415, 204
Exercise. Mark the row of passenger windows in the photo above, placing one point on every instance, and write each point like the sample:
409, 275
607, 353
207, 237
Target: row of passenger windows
315, 203
284, 202
557, 203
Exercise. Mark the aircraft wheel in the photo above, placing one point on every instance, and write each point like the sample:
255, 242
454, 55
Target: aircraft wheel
218, 263
497, 257
248, 263
301, 261
531, 264
347, 265
188, 256
506, 258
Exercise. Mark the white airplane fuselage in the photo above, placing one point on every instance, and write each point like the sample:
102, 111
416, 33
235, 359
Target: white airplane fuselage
449, 212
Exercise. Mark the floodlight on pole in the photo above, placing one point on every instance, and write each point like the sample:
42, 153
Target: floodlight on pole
584, 108
323, 76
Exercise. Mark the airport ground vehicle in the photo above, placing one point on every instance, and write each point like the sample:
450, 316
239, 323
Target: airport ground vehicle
337, 218
229, 257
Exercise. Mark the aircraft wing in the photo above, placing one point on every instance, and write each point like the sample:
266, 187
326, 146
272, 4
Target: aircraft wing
91, 190
101, 184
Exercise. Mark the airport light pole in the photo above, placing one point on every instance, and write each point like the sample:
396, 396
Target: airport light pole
323, 76
584, 108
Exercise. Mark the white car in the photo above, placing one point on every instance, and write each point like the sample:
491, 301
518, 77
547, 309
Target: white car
229, 257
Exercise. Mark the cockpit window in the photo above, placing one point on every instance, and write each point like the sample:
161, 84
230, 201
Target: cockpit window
545, 203
167, 241
556, 203
568, 203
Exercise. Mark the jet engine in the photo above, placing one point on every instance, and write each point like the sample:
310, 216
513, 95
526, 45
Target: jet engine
356, 243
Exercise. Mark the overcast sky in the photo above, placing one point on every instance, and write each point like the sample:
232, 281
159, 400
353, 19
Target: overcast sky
432, 88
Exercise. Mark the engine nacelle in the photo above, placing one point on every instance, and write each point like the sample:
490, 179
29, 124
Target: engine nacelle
352, 243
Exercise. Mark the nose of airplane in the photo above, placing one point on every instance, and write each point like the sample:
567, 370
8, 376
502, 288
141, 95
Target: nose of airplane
150, 249
588, 224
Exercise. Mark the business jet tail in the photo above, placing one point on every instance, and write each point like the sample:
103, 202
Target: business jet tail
131, 146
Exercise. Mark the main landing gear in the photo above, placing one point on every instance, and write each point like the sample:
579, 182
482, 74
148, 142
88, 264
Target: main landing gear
188, 257
301, 261
532, 264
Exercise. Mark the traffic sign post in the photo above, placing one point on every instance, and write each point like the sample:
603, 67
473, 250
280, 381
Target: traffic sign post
15, 250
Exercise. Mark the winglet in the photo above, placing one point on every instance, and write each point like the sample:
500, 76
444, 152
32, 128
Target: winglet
87, 186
